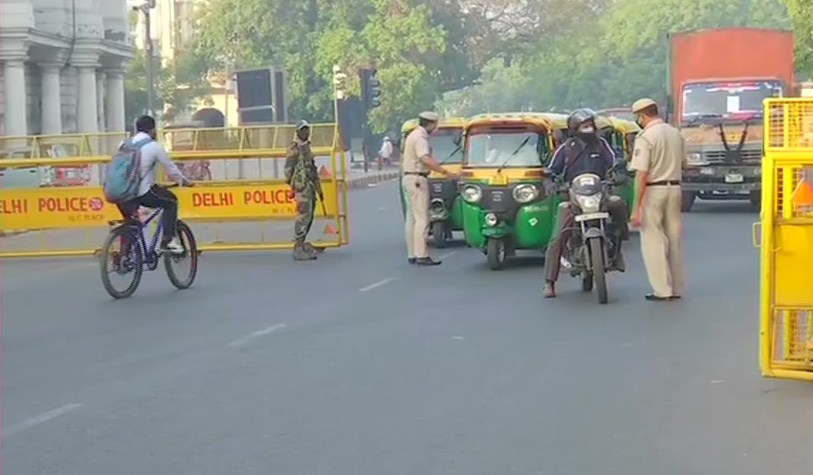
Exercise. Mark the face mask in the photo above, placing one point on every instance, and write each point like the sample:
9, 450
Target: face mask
586, 130
639, 121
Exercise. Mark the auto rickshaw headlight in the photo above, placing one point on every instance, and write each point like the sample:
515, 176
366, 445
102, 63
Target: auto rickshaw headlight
525, 193
471, 193
491, 219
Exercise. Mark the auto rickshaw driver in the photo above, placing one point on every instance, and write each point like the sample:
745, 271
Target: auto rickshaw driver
584, 152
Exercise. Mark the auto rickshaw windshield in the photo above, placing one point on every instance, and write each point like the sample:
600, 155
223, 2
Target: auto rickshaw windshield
446, 145
509, 149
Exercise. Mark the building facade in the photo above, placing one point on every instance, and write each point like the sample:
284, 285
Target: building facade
62, 64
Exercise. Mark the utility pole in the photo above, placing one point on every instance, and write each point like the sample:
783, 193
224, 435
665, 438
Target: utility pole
370, 93
150, 53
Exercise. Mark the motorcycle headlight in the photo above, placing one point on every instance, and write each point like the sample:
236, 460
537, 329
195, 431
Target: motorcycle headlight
471, 193
589, 204
437, 206
525, 193
491, 219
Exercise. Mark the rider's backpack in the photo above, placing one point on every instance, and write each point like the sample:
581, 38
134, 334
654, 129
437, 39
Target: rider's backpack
123, 176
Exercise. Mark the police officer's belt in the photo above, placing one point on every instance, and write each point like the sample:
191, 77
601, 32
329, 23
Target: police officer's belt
423, 174
664, 183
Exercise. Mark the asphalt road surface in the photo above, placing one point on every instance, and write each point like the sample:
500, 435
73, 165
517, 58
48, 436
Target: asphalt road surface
359, 364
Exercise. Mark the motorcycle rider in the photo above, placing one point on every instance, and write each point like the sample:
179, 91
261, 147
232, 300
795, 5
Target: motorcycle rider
583, 152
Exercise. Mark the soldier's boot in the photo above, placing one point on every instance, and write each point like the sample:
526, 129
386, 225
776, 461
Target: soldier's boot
311, 249
300, 254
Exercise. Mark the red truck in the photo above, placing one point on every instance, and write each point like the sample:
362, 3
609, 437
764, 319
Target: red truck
718, 80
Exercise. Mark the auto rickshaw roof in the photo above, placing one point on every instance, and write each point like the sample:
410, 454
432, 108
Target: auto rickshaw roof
543, 119
624, 125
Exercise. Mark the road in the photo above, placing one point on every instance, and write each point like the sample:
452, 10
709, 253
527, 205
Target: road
360, 364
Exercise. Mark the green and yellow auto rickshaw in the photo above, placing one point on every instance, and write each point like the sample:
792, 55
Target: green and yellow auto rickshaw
445, 207
506, 205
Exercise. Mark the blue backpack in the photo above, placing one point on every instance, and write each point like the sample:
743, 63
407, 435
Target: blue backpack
123, 176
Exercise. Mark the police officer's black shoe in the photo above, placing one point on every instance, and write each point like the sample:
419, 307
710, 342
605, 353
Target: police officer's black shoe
427, 261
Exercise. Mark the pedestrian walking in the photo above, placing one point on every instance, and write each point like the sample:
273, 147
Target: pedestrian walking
658, 162
417, 162
303, 178
385, 153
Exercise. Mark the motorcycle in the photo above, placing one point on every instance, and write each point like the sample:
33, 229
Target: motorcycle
592, 249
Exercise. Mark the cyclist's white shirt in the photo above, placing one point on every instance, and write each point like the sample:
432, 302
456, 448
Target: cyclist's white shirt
152, 154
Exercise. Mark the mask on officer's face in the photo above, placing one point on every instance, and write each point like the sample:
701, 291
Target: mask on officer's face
640, 121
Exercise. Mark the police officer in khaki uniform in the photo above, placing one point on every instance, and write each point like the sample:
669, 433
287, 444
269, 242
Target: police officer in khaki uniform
416, 164
658, 161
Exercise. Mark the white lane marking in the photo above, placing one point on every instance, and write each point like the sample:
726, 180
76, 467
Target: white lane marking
377, 284
40, 419
382, 208
447, 255
457, 338
259, 333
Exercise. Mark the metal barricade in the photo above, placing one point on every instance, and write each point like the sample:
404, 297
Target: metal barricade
243, 205
786, 247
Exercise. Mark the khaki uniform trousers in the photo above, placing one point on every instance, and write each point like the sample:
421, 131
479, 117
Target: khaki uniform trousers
416, 227
661, 240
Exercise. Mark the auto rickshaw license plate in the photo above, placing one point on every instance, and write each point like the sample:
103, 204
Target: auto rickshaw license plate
733, 178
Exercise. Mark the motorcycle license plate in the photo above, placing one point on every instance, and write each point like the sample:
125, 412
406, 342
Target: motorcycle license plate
589, 216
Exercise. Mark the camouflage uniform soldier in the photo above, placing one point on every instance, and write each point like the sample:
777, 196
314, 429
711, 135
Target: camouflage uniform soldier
303, 178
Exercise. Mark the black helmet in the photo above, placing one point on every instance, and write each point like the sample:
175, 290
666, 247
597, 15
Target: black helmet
579, 117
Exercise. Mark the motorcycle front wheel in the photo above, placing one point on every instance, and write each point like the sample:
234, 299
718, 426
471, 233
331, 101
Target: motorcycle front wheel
599, 275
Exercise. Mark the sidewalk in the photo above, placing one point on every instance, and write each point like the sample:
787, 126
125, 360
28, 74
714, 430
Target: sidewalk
356, 179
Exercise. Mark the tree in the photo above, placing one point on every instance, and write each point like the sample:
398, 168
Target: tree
801, 14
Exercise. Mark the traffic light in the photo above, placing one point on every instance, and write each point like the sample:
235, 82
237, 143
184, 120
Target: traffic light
370, 88
339, 82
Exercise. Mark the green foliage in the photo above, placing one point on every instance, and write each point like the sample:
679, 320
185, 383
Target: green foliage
526, 54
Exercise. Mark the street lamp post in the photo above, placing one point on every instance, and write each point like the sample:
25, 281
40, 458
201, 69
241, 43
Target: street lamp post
150, 53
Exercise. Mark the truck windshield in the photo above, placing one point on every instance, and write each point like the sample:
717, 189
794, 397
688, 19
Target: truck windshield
507, 149
445, 145
725, 100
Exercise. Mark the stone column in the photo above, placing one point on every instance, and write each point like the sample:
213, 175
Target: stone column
87, 114
15, 110
114, 111
100, 95
51, 98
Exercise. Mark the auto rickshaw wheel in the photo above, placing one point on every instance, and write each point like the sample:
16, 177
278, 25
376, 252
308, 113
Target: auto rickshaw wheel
587, 282
495, 253
687, 199
439, 234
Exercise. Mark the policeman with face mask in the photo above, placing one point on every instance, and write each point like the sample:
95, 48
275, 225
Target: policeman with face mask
302, 176
583, 152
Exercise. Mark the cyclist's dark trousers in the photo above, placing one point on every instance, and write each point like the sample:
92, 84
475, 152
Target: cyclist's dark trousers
156, 197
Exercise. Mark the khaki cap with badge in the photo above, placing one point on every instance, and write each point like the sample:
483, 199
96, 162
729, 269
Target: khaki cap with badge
430, 116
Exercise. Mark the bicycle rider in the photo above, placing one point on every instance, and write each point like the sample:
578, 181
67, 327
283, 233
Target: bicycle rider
151, 195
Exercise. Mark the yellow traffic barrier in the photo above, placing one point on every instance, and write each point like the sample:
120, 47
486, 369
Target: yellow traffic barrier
246, 204
786, 242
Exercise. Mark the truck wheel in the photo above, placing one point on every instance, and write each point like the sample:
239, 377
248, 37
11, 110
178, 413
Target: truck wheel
495, 253
755, 197
687, 201
439, 234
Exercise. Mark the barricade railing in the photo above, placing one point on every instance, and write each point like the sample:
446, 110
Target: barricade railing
244, 204
786, 244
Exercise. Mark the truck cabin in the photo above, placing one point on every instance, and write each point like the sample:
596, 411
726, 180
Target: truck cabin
719, 101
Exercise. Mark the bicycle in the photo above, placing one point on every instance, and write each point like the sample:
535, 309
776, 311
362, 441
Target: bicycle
133, 254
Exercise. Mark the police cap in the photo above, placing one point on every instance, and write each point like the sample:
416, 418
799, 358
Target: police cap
430, 116
642, 104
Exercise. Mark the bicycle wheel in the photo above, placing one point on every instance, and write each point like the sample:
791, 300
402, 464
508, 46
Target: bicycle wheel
123, 250
173, 262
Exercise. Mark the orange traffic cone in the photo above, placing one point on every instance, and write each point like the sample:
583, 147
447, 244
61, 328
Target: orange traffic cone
330, 230
324, 173
803, 194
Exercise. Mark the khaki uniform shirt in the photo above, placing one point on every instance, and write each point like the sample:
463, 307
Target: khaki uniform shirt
660, 151
416, 146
